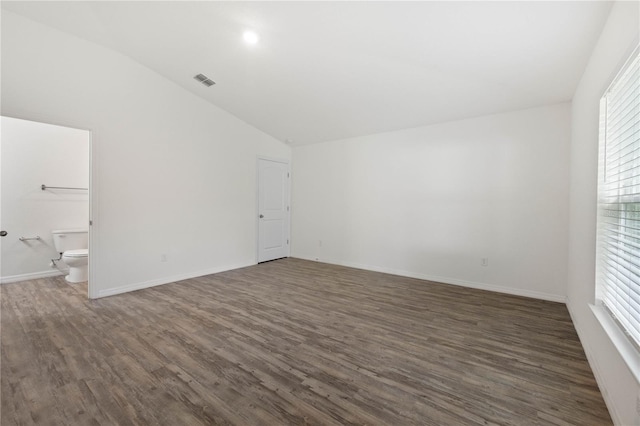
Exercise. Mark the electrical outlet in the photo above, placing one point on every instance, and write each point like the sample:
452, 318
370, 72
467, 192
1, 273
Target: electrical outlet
319, 243
484, 261
163, 257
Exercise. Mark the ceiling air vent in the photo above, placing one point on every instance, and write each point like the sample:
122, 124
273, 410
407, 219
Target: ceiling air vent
204, 80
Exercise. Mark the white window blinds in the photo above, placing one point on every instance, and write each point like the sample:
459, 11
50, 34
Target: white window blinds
618, 234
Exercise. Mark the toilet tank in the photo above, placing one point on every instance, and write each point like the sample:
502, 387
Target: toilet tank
70, 239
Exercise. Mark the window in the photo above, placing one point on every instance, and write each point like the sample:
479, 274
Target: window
618, 234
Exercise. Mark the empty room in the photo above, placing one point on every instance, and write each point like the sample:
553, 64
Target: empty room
324, 213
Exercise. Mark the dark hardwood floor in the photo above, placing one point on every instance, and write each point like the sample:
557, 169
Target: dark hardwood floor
291, 342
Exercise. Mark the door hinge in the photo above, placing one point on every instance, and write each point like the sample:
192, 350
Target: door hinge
287, 208
287, 174
287, 241
90, 222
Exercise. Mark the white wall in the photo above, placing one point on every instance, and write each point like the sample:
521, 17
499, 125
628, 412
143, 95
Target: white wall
171, 174
34, 154
430, 202
618, 385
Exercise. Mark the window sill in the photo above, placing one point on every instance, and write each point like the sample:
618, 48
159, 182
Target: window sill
625, 348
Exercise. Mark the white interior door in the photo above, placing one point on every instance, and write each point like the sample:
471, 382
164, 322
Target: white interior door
273, 209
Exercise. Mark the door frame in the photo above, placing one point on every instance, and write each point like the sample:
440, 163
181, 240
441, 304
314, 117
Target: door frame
91, 290
257, 208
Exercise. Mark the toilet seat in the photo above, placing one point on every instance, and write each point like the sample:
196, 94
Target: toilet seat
76, 253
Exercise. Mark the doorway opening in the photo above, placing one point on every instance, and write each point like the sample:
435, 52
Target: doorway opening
46, 191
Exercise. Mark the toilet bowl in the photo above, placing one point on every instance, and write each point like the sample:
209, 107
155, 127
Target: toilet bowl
72, 244
78, 263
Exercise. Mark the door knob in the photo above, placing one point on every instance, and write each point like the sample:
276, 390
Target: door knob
3, 233
261, 216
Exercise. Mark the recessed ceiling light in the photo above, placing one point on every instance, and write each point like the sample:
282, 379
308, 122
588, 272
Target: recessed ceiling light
250, 37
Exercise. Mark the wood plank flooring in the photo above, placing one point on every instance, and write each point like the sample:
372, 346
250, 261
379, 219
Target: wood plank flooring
291, 342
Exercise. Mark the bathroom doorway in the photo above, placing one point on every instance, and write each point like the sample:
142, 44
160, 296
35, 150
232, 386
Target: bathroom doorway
45, 186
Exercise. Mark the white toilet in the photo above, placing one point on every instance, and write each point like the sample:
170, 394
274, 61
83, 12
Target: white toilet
73, 245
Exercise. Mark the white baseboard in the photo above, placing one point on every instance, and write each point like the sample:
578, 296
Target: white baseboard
446, 280
30, 276
167, 280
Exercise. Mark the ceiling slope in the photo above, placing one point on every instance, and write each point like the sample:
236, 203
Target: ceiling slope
331, 70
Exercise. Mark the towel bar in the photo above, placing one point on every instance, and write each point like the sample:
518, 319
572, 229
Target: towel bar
43, 187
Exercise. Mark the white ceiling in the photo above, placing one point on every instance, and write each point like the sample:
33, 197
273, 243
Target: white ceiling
330, 70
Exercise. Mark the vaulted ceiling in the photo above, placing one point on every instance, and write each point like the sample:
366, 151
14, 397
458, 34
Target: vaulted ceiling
331, 70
